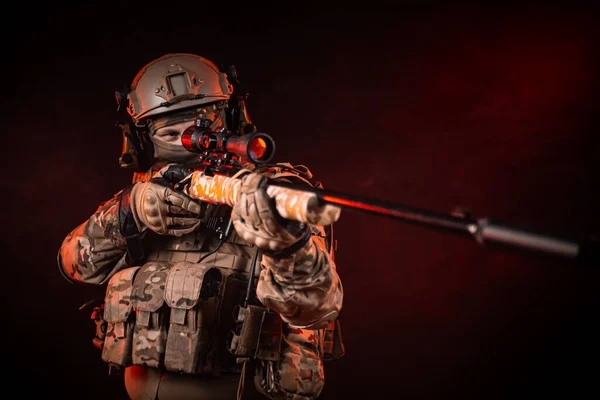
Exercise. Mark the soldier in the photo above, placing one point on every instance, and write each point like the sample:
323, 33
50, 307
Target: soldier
172, 318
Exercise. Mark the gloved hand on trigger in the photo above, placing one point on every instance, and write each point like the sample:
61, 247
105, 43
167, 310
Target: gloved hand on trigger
257, 221
163, 210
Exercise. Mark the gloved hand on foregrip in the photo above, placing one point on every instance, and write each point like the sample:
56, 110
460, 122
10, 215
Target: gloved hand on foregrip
163, 210
257, 221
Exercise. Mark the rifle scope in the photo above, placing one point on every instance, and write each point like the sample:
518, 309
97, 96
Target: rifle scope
256, 147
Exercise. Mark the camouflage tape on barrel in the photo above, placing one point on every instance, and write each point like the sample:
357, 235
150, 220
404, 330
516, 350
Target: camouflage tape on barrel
291, 204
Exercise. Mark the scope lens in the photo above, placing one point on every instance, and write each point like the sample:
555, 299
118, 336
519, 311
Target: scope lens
257, 148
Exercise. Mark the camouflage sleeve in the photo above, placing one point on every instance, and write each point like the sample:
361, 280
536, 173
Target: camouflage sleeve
95, 250
303, 288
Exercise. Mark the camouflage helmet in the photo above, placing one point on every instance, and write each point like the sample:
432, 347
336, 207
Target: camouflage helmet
176, 81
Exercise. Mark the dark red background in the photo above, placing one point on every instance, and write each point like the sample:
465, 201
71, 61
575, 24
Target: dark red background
494, 109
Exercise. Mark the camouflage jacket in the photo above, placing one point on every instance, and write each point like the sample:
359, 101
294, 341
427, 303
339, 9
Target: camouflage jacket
303, 288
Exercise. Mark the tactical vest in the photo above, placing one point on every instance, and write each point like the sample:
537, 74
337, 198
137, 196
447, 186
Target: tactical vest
179, 310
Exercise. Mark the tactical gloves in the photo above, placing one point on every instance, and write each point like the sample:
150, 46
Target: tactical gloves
163, 210
257, 221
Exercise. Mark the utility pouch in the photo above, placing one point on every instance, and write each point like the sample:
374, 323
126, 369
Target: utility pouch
118, 307
257, 333
192, 294
333, 346
150, 332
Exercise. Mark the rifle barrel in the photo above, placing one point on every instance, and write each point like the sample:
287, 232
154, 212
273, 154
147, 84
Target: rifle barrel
586, 251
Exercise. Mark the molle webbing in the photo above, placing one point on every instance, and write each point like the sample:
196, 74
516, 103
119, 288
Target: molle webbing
235, 253
171, 315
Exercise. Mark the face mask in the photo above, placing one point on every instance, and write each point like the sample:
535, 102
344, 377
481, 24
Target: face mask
172, 152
